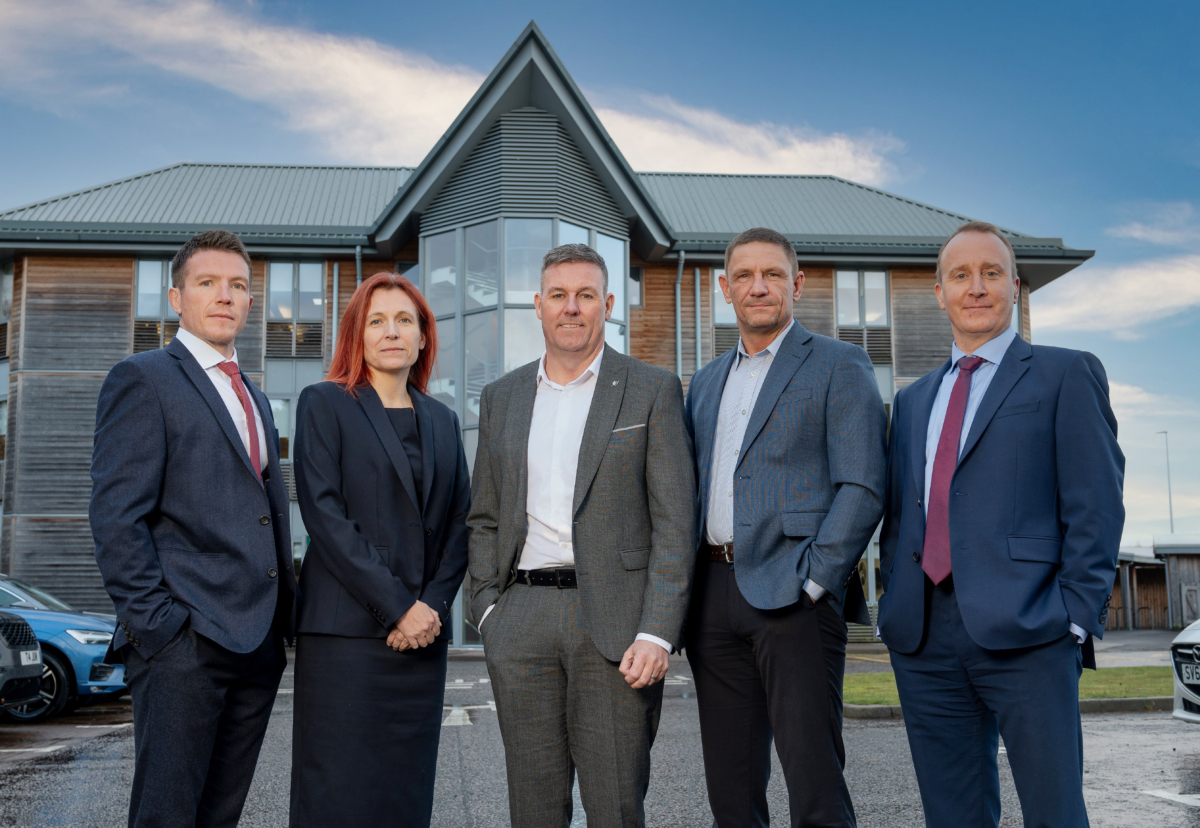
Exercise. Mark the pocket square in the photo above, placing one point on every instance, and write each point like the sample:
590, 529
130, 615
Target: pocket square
629, 428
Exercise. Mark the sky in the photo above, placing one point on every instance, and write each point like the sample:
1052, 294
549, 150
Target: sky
1078, 121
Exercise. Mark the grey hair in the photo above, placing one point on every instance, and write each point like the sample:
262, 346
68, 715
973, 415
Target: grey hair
569, 254
768, 236
979, 227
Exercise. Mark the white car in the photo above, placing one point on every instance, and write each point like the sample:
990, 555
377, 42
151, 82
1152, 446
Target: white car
1185, 658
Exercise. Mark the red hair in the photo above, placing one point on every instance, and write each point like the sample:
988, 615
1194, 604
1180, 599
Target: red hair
349, 367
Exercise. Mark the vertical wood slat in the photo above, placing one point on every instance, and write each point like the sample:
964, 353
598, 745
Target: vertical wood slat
815, 308
920, 329
15, 331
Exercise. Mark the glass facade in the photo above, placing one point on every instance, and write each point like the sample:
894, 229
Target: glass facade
155, 321
721, 310
489, 326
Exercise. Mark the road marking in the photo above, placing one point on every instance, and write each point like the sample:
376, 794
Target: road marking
868, 658
677, 680
458, 717
285, 692
33, 750
1185, 799
114, 726
459, 684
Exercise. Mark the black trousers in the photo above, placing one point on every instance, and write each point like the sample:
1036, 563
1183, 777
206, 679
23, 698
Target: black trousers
763, 673
199, 716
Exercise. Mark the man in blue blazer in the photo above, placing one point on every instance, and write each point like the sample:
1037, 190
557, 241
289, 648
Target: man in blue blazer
998, 552
788, 430
190, 518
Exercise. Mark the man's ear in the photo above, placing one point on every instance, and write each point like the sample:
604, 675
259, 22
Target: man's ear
937, 291
174, 296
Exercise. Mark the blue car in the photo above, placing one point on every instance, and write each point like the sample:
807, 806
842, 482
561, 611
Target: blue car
73, 648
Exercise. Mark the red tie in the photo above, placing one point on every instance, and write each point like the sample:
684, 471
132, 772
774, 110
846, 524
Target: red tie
935, 559
239, 388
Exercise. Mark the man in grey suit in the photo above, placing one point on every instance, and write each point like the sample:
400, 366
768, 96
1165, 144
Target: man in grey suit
788, 431
582, 553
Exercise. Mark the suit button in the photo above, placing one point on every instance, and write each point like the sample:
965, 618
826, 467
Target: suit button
264, 520
917, 557
918, 504
271, 573
428, 532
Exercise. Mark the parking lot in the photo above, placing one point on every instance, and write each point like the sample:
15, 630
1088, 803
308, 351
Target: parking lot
76, 770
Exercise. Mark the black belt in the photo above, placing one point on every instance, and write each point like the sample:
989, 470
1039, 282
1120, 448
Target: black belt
561, 578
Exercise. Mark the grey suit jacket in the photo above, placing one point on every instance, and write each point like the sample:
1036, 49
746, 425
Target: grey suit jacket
634, 505
808, 487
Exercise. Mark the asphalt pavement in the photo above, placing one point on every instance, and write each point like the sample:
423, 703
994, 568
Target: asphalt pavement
85, 782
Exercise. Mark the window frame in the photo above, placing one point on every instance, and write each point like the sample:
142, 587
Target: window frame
862, 270
295, 321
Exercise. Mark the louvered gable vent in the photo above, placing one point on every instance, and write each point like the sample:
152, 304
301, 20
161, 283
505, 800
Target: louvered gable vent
527, 164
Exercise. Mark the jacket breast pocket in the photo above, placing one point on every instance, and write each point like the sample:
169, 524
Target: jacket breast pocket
1017, 408
636, 558
792, 396
802, 524
1042, 550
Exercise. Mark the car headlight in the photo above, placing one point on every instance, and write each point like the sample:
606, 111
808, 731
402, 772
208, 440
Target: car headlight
90, 636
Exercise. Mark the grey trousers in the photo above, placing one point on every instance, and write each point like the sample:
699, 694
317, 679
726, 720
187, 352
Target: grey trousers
563, 706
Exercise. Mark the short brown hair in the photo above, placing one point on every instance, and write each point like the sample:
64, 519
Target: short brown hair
208, 240
763, 234
571, 253
979, 227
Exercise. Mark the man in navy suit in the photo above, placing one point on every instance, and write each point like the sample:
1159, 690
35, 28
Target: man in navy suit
788, 429
998, 552
190, 518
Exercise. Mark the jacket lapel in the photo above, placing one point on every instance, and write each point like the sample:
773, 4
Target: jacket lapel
1011, 368
516, 432
425, 428
602, 416
790, 356
376, 413
209, 392
708, 408
922, 411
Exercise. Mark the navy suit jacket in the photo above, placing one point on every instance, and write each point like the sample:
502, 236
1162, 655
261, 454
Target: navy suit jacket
1035, 504
183, 527
808, 487
375, 551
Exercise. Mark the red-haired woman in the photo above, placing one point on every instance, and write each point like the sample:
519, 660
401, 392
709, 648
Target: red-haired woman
382, 481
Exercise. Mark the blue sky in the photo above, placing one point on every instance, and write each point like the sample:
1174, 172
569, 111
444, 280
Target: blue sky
1074, 120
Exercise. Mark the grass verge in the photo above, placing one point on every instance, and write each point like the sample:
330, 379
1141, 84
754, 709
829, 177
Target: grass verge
1108, 683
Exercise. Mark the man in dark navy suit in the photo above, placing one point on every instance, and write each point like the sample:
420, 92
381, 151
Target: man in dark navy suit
190, 518
999, 548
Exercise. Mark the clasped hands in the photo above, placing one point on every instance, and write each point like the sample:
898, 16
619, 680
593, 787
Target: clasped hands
416, 628
644, 663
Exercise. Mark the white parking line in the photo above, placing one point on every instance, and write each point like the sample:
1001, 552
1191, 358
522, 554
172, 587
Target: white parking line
458, 716
1183, 799
33, 750
113, 726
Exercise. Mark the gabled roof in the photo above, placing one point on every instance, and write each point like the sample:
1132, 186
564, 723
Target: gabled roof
260, 201
529, 75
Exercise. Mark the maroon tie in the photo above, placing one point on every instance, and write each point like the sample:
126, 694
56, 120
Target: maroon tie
239, 388
935, 559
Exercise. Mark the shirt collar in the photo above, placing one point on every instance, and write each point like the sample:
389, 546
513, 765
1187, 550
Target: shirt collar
993, 350
592, 370
773, 348
205, 354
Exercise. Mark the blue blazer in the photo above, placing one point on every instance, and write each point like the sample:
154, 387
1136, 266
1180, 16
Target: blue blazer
808, 488
378, 545
1035, 509
183, 527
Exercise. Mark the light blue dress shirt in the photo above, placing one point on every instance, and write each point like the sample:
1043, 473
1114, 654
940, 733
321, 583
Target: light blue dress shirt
738, 397
992, 352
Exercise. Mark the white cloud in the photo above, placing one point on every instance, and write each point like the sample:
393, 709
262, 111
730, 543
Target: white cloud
363, 101
1120, 299
1174, 224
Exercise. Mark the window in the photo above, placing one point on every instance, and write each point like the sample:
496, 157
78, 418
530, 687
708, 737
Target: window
295, 309
634, 287
6, 297
725, 331
864, 318
155, 322
4, 425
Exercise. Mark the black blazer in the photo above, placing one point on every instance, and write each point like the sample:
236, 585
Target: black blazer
373, 552
183, 527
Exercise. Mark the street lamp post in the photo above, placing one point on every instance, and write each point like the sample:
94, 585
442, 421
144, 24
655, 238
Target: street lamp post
1170, 505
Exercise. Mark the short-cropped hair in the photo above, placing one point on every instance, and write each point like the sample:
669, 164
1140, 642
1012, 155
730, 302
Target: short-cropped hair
571, 253
767, 235
979, 227
208, 240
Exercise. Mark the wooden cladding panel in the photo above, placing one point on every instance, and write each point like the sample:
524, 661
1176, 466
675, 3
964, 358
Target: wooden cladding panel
652, 326
249, 343
920, 330
14, 426
1026, 322
78, 313
52, 458
815, 310
59, 553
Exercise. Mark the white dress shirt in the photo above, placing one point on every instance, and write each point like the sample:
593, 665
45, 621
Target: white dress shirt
556, 429
209, 357
992, 353
738, 398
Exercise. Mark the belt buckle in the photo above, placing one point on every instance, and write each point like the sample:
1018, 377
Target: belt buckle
558, 579
727, 552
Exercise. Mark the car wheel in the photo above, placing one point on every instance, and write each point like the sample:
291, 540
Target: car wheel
55, 693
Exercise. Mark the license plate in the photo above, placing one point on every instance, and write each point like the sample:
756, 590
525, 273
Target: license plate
1191, 673
31, 657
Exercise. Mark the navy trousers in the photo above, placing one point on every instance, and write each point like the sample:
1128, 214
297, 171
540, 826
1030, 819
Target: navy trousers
958, 698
